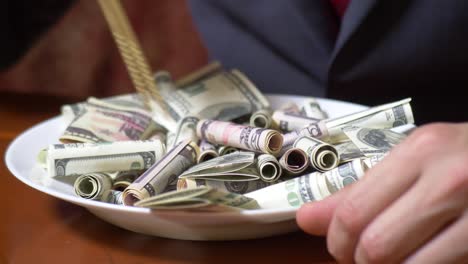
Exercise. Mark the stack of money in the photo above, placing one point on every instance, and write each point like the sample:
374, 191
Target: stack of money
220, 147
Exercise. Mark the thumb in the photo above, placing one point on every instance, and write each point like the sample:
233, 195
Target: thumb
315, 217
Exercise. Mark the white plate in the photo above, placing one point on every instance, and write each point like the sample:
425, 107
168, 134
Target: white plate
20, 159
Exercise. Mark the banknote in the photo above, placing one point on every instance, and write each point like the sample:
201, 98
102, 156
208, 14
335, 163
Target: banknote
236, 166
310, 107
348, 151
309, 187
225, 95
373, 141
269, 167
113, 197
384, 116
92, 185
239, 136
322, 156
345, 174
186, 129
162, 175
202, 198
207, 151
70, 111
240, 187
289, 121
262, 118
223, 150
294, 161
101, 121
288, 194
80, 158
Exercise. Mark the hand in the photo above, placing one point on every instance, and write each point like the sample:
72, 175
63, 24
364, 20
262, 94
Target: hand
412, 206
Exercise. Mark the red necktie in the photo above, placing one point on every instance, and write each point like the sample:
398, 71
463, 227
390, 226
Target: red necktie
340, 6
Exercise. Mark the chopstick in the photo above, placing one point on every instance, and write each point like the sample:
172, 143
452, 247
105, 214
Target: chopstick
131, 52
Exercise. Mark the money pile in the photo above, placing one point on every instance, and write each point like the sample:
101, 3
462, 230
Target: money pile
221, 146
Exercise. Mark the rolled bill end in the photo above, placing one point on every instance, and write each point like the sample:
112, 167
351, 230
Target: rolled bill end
92, 185
207, 155
325, 158
274, 143
224, 150
131, 197
294, 161
269, 172
261, 118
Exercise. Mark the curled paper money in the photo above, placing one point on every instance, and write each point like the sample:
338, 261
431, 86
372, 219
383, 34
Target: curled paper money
162, 176
239, 136
81, 158
294, 161
92, 185
322, 156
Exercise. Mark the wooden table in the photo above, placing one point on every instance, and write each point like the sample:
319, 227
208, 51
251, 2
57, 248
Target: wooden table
38, 228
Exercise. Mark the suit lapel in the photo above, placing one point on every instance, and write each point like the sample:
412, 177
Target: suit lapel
355, 15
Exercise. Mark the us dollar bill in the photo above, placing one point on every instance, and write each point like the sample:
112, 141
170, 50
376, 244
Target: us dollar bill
345, 174
186, 130
240, 136
384, 116
239, 187
289, 121
236, 166
310, 107
81, 158
225, 95
348, 151
373, 141
309, 187
262, 118
162, 175
322, 156
102, 121
269, 168
294, 161
202, 198
70, 111
92, 185
207, 151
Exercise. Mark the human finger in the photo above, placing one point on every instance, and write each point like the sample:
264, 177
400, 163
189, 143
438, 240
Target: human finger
314, 217
448, 247
437, 198
381, 185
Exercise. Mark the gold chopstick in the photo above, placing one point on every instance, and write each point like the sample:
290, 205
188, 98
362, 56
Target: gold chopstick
131, 52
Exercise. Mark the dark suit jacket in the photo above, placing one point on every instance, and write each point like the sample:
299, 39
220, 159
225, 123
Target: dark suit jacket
382, 51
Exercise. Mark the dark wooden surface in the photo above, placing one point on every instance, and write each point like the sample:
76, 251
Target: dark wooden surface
38, 228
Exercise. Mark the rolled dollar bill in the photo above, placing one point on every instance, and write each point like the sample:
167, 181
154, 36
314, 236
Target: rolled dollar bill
345, 174
123, 179
289, 121
310, 107
200, 198
269, 167
373, 141
381, 117
261, 118
207, 151
239, 136
101, 121
162, 176
202, 73
294, 161
113, 197
322, 156
186, 129
92, 185
240, 187
288, 194
223, 150
348, 151
81, 158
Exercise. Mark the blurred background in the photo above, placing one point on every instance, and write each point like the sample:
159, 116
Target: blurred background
69, 51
